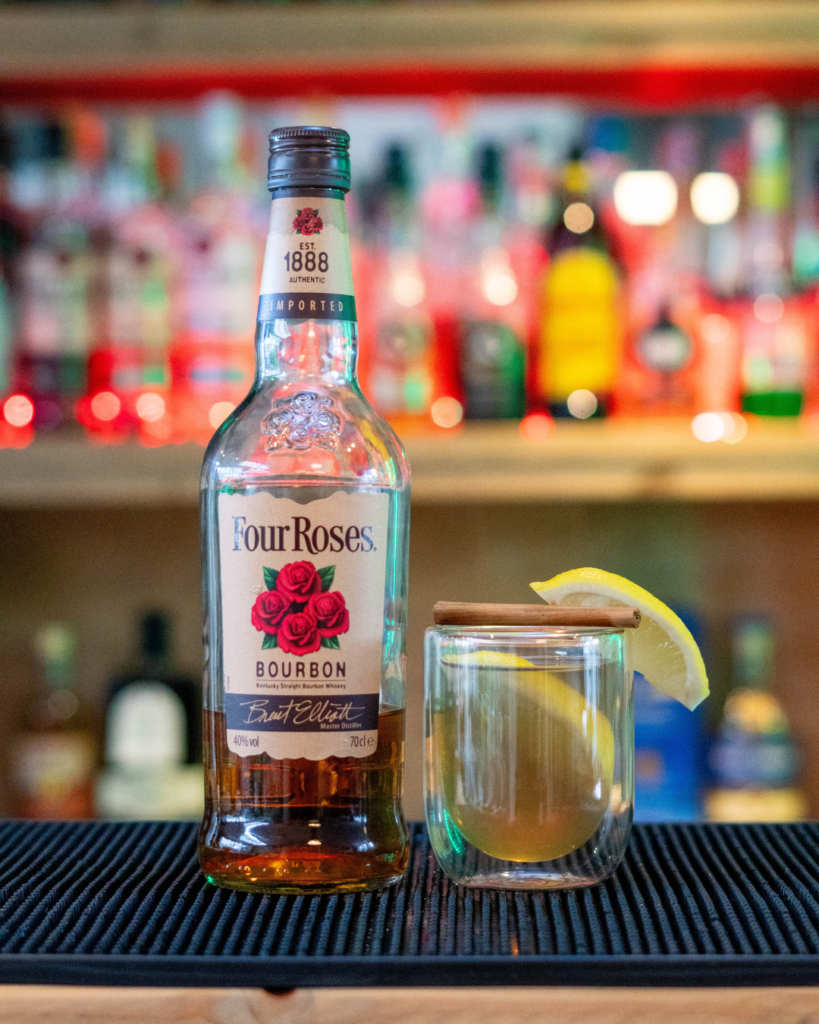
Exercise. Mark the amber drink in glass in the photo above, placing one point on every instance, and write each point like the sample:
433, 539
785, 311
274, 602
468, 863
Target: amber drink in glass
529, 754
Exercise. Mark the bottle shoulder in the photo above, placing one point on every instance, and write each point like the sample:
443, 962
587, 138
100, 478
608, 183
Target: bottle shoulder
308, 432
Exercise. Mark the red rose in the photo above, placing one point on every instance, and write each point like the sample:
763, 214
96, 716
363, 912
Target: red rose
299, 634
298, 580
330, 613
268, 611
308, 222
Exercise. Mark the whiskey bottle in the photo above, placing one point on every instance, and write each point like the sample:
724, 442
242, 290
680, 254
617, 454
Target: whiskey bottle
305, 494
153, 746
54, 755
754, 760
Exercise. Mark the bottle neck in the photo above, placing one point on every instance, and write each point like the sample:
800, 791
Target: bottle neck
306, 328
300, 351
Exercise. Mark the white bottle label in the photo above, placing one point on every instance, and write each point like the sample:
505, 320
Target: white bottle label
303, 589
307, 272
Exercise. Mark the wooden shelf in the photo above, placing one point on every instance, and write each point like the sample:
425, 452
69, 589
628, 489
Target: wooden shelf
613, 461
628, 50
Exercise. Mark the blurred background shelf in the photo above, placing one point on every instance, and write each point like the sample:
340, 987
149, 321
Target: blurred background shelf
633, 49
94, 536
612, 461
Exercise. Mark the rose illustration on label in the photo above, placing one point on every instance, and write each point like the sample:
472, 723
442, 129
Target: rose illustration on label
298, 613
307, 222
297, 581
269, 611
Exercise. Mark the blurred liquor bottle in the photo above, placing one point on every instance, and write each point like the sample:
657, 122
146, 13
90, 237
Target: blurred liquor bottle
529, 181
397, 361
806, 247
716, 196
806, 204
54, 756
665, 296
754, 761
450, 206
153, 736
493, 327
776, 326
55, 272
134, 322
12, 235
5, 335
582, 325
212, 361
667, 751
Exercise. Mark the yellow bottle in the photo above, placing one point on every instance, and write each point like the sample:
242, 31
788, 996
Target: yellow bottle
581, 332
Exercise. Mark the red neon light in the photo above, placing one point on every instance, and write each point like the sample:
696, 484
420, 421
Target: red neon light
654, 87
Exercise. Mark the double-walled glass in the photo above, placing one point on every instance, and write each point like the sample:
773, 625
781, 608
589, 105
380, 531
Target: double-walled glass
529, 754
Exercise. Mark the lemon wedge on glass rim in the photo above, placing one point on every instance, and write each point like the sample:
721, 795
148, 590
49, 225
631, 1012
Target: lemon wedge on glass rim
662, 648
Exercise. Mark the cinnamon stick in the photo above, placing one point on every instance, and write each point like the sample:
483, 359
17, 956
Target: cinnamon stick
464, 613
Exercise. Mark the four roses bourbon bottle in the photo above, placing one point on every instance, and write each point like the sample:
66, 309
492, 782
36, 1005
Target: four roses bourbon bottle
305, 496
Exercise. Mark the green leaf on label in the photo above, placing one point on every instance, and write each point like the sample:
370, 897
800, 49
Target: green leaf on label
298, 213
269, 641
327, 574
331, 642
270, 577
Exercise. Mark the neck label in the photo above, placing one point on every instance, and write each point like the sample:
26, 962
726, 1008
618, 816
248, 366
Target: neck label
307, 272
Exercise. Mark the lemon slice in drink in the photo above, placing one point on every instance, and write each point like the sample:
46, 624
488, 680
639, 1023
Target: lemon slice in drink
662, 647
486, 659
526, 762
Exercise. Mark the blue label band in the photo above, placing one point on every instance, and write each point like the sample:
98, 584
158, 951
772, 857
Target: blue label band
247, 712
306, 306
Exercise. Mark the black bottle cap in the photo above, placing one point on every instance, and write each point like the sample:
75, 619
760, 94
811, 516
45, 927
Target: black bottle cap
155, 630
396, 172
309, 157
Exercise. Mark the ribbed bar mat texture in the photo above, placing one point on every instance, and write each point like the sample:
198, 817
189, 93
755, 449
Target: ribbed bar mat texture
124, 904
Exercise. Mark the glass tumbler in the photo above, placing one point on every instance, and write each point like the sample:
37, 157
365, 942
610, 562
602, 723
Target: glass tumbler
529, 754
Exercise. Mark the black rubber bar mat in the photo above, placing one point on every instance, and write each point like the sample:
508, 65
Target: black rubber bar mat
124, 904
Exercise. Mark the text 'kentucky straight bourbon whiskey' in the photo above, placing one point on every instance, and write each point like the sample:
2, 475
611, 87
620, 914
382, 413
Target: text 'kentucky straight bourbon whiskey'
305, 495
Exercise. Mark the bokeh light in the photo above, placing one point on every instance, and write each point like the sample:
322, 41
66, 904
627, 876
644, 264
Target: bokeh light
719, 426
500, 287
150, 407
408, 288
708, 427
219, 412
716, 328
736, 429
18, 410
406, 281
645, 197
105, 406
447, 412
582, 404
579, 218
537, 427
714, 197
498, 282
